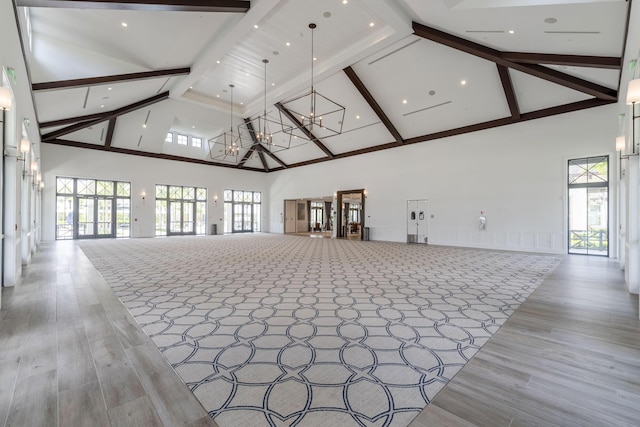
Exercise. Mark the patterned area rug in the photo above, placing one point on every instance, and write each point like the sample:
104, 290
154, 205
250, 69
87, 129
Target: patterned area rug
287, 330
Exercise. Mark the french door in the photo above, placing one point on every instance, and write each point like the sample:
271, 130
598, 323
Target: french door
243, 217
181, 217
95, 217
588, 232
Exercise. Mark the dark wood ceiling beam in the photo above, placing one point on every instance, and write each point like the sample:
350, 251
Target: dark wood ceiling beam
110, 128
538, 114
149, 154
608, 62
116, 78
72, 120
232, 6
263, 160
275, 158
494, 55
373, 104
509, 93
252, 149
546, 112
106, 116
246, 157
310, 136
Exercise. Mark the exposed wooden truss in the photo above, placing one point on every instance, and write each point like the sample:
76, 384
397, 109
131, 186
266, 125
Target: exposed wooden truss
118, 78
237, 6
529, 63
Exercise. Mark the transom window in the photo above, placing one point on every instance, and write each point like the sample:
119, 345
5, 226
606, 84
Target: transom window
182, 139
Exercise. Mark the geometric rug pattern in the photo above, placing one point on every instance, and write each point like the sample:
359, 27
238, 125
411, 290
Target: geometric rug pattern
275, 330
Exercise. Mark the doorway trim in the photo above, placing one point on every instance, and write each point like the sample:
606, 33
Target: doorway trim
340, 194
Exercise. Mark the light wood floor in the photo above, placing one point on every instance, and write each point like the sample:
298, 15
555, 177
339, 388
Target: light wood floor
71, 355
569, 356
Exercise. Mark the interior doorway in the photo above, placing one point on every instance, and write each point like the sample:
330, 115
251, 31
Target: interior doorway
309, 216
350, 214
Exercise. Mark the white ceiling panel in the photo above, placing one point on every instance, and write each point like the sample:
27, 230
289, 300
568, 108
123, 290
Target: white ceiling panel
436, 98
92, 135
535, 94
583, 28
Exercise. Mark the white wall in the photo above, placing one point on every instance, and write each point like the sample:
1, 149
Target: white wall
20, 196
516, 174
143, 173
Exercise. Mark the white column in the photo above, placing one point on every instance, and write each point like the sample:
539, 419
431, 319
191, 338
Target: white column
632, 250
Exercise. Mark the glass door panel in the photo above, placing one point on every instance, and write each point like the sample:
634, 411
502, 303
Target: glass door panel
588, 221
105, 218
86, 217
187, 217
247, 223
175, 217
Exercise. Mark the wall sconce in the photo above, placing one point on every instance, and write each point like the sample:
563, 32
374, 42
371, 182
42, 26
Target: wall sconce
633, 97
41, 185
143, 194
25, 147
5, 98
215, 200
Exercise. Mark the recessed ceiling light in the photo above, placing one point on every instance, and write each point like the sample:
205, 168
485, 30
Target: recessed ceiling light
463, 82
247, 74
193, 126
109, 88
371, 24
432, 92
218, 61
288, 44
511, 32
190, 87
124, 24
358, 117
550, 20
273, 84
102, 106
217, 96
315, 59
345, 1
404, 101
242, 103
327, 14
255, 26
144, 125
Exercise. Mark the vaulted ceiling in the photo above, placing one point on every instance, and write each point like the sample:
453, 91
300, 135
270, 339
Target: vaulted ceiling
118, 76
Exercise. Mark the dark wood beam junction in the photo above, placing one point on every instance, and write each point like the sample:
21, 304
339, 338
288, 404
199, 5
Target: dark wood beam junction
229, 6
308, 134
494, 55
509, 93
116, 78
110, 128
106, 116
254, 147
262, 149
373, 104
